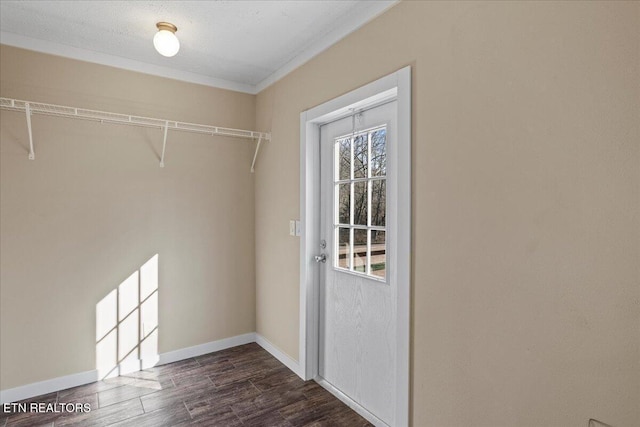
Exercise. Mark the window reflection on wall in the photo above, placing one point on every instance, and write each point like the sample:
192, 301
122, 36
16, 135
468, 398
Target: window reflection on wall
127, 324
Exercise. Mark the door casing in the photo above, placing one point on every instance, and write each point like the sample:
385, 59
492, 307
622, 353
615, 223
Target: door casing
396, 85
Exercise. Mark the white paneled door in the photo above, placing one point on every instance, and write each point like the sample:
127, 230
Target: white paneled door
358, 289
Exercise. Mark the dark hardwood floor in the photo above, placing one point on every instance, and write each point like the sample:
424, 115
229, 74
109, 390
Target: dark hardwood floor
240, 386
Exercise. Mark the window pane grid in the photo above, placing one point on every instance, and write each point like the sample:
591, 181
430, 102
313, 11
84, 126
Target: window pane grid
362, 227
349, 181
362, 132
368, 252
359, 197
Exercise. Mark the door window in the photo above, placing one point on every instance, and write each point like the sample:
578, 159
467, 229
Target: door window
360, 196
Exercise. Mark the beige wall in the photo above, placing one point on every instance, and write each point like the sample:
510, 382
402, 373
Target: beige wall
94, 206
526, 227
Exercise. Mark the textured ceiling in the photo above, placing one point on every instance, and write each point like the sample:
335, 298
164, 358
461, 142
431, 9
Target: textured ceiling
242, 45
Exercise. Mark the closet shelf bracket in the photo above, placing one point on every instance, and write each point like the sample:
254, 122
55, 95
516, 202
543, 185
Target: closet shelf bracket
255, 155
27, 110
164, 143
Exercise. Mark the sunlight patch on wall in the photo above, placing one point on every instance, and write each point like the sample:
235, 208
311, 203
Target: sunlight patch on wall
127, 324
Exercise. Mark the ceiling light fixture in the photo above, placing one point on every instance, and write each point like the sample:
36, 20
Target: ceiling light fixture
165, 40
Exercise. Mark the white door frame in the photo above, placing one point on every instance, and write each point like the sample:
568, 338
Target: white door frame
396, 85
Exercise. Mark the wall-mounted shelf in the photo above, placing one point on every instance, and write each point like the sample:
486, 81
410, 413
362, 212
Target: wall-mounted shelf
30, 108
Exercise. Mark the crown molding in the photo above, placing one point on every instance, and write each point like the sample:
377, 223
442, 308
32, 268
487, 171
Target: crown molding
366, 13
44, 46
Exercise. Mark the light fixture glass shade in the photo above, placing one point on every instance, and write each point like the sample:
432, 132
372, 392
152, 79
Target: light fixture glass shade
166, 42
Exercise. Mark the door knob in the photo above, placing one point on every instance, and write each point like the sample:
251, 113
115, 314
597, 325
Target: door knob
320, 258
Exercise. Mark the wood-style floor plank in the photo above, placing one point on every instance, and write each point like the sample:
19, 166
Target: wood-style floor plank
205, 413
197, 390
77, 393
138, 388
103, 417
242, 386
188, 376
21, 419
271, 419
168, 416
221, 397
266, 403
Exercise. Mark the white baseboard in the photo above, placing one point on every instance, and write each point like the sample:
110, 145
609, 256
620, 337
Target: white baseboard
48, 386
210, 347
283, 357
55, 384
127, 367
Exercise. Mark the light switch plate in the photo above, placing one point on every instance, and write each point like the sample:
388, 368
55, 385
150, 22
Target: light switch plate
298, 228
292, 227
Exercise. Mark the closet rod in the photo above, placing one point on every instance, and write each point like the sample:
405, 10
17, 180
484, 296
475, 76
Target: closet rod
30, 107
